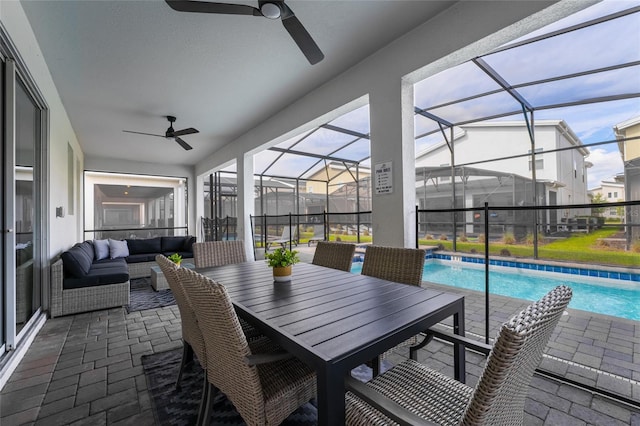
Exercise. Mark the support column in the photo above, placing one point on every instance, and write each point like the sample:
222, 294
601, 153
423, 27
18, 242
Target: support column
392, 142
245, 202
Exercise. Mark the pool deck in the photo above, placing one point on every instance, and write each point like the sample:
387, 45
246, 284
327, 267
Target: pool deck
86, 369
591, 349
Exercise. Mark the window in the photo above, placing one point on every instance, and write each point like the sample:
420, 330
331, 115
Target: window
539, 164
134, 206
609, 195
615, 194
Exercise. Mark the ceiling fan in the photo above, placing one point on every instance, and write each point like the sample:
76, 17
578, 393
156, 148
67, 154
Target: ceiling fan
272, 9
172, 134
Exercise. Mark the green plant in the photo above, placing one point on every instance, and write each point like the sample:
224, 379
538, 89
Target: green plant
175, 258
282, 257
508, 238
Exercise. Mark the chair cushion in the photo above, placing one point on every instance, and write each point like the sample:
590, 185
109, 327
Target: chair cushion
101, 248
172, 244
144, 246
118, 249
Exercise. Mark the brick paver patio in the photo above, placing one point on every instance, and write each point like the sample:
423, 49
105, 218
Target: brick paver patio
86, 369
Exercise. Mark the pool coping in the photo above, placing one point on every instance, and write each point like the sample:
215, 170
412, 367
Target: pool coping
614, 273
577, 269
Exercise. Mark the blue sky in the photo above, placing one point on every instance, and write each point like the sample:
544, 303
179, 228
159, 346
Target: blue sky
606, 44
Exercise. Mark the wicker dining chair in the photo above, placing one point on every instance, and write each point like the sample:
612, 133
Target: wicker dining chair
334, 255
217, 253
192, 340
262, 393
416, 394
401, 265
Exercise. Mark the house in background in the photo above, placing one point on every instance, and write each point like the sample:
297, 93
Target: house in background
610, 192
630, 151
560, 176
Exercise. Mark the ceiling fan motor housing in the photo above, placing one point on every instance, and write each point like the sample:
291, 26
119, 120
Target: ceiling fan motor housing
169, 133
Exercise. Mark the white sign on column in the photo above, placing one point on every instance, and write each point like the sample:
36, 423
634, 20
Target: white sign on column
383, 178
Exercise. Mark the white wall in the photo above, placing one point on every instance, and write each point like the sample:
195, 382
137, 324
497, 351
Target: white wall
63, 232
452, 37
496, 140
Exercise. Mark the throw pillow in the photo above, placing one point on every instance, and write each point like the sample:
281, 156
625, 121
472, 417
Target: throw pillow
118, 249
101, 248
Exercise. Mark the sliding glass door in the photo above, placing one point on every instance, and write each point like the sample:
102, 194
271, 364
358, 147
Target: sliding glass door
21, 202
27, 238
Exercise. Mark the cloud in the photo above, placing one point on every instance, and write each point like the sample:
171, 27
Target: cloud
606, 164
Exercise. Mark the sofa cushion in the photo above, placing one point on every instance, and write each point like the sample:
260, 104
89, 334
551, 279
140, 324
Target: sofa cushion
172, 244
118, 249
76, 261
114, 274
101, 248
137, 258
144, 246
108, 263
188, 243
87, 249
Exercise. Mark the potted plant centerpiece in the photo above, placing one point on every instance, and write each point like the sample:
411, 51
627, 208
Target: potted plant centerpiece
281, 260
175, 258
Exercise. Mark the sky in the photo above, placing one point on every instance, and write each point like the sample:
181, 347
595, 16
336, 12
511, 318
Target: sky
606, 44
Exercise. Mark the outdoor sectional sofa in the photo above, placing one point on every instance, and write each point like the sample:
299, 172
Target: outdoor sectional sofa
85, 279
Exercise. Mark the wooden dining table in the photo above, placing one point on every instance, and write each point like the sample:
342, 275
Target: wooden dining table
335, 321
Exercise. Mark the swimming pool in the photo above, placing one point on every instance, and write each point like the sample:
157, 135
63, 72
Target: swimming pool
609, 298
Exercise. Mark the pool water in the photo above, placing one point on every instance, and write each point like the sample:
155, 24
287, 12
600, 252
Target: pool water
620, 300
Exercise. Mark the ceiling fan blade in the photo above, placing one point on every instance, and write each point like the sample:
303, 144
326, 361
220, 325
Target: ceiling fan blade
142, 133
207, 7
188, 131
300, 35
183, 144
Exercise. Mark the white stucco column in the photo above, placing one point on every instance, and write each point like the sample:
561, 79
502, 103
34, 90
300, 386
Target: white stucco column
246, 205
392, 142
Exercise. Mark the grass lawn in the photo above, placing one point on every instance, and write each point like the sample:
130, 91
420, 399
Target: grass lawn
579, 247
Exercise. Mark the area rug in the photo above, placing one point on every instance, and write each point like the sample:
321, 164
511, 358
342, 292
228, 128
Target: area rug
142, 296
172, 407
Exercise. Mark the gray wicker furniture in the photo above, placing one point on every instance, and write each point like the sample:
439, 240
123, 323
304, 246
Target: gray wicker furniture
414, 393
335, 320
192, 340
402, 265
334, 255
74, 300
263, 394
218, 253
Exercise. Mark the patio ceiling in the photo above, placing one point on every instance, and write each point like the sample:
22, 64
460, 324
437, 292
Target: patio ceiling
573, 63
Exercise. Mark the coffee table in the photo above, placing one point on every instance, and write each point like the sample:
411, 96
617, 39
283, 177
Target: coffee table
159, 281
